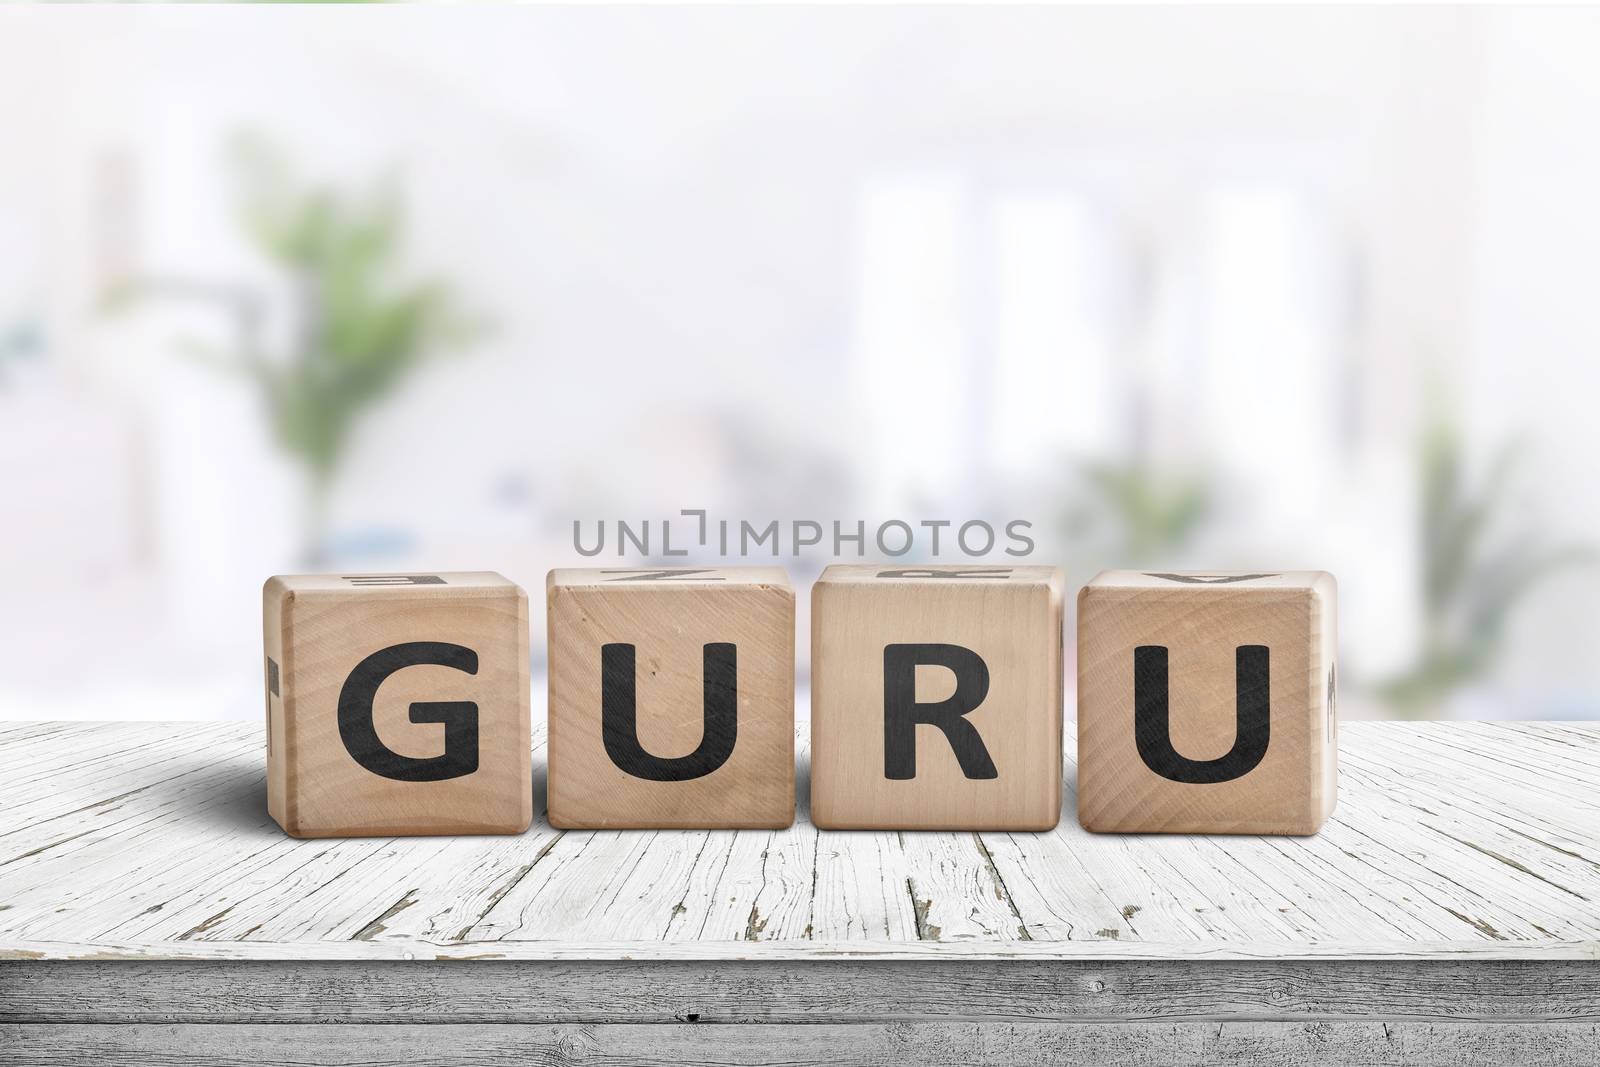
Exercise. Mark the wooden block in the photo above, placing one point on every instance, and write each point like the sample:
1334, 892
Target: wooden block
936, 698
397, 704
1206, 702
671, 698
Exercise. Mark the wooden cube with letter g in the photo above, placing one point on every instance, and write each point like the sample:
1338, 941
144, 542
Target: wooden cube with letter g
1206, 702
936, 697
397, 704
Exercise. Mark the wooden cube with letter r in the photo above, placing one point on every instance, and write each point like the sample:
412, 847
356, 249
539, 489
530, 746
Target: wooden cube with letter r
936, 697
397, 704
1206, 702
671, 698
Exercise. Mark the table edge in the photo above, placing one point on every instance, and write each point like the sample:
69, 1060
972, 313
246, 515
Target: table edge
663, 952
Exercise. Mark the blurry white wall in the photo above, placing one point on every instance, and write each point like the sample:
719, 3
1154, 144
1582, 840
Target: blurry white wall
794, 263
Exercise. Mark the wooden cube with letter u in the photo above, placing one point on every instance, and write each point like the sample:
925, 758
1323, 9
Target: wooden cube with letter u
397, 704
936, 697
1206, 702
671, 698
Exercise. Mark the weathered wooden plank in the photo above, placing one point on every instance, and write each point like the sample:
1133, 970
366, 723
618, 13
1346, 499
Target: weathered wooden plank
862, 888
1149, 902
201, 822
1435, 793
594, 881
1459, 774
85, 747
26, 728
1418, 1044
1506, 755
1436, 849
955, 893
1174, 886
725, 875
1055, 880
1585, 735
148, 890
60, 807
1244, 890
1560, 745
788, 991
1430, 895
750, 885
1355, 902
1525, 845
108, 767
372, 886
1461, 882
215, 886
800, 949
443, 899
374, 893
762, 886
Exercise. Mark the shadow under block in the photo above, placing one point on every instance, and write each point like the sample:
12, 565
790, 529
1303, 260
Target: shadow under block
936, 698
1206, 702
397, 705
671, 698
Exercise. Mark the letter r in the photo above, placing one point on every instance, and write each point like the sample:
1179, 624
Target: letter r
902, 713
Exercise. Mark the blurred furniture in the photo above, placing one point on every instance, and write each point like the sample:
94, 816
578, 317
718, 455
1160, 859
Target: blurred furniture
151, 912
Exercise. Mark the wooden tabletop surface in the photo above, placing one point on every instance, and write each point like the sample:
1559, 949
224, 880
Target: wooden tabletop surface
152, 841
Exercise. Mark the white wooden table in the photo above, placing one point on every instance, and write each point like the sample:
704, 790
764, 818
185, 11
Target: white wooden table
151, 912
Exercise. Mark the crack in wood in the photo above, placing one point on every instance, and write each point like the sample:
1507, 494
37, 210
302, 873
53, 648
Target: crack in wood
1478, 924
756, 924
378, 925
1000, 890
919, 908
679, 908
1513, 864
1580, 857
498, 895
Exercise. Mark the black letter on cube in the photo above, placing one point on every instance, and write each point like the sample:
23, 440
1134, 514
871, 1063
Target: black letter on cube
1253, 718
902, 713
460, 717
619, 716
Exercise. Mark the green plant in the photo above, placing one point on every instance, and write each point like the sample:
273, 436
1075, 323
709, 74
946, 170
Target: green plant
1474, 574
1136, 513
360, 328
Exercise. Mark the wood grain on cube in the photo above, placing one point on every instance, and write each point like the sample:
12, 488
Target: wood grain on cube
994, 630
397, 704
671, 698
1206, 702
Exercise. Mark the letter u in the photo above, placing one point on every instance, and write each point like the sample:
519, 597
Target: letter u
619, 723
1252, 717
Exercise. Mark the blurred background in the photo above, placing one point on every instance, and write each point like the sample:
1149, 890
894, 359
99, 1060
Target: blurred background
416, 288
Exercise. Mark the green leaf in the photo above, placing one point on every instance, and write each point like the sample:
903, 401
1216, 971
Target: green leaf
363, 328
